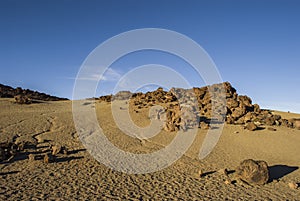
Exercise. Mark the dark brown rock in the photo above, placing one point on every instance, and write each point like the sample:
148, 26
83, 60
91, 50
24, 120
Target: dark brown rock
253, 172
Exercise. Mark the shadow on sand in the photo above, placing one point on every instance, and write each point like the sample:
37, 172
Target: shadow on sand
8, 173
279, 171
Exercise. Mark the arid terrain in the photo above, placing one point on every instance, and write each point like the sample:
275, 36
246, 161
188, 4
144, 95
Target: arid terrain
76, 175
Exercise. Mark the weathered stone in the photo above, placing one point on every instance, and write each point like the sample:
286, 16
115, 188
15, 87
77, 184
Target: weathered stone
49, 158
256, 108
31, 157
286, 123
253, 172
270, 121
56, 149
229, 120
293, 185
204, 125
251, 126
245, 100
26, 141
238, 112
232, 103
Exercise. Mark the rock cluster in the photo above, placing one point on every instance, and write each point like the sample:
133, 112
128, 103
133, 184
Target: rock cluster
203, 106
9, 92
9, 149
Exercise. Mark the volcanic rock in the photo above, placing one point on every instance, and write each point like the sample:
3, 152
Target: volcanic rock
253, 172
218, 102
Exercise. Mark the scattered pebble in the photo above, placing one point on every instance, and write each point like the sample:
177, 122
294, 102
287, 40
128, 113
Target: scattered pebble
293, 185
227, 182
200, 173
223, 171
236, 132
48, 158
271, 129
31, 157
56, 149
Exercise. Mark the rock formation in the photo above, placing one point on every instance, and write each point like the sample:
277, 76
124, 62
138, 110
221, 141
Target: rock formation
188, 108
25, 94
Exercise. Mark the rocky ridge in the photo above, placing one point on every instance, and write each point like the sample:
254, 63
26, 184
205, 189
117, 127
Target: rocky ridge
25, 95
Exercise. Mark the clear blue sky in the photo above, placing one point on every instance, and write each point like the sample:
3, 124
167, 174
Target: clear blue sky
255, 44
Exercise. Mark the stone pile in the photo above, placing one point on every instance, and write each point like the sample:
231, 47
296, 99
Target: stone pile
187, 108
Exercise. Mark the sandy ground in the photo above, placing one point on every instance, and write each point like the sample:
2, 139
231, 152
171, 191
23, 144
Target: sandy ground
78, 176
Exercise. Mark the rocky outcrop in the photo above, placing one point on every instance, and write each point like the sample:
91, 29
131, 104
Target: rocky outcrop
9, 92
197, 104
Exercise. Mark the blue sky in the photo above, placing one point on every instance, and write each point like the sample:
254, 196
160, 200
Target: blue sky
254, 44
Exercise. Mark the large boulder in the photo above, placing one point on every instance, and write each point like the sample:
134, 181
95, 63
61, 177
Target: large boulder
253, 172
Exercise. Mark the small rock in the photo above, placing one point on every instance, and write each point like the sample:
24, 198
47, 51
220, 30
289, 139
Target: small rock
293, 185
31, 157
200, 173
228, 181
65, 151
236, 132
271, 129
48, 158
40, 139
56, 149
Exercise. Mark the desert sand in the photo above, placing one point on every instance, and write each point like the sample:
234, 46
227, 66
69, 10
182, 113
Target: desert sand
78, 176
